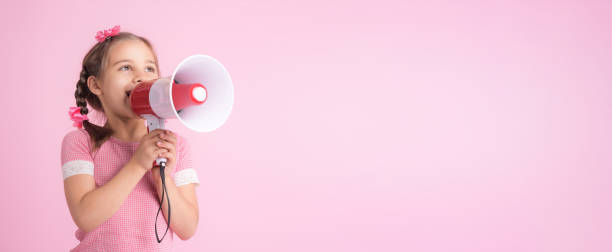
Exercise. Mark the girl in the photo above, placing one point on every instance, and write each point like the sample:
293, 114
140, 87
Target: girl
112, 189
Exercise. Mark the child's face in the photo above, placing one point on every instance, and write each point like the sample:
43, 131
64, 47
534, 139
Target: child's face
128, 63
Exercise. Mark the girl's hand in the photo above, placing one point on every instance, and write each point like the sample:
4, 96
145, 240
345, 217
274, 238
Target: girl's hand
148, 150
168, 143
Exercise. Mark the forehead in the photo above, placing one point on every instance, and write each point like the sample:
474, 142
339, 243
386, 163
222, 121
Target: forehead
132, 49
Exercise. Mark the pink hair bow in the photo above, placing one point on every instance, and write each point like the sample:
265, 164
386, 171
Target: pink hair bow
77, 117
103, 34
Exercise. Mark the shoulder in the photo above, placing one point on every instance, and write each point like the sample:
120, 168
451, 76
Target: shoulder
76, 137
76, 154
76, 134
76, 146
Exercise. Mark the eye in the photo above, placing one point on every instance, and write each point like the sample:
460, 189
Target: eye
151, 69
124, 67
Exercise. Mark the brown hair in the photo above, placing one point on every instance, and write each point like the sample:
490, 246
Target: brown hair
93, 65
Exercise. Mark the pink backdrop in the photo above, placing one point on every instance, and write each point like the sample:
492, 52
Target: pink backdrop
358, 126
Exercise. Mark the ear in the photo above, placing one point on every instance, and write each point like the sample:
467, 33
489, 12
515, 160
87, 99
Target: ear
93, 86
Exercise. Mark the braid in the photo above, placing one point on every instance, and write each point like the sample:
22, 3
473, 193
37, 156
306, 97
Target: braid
83, 95
81, 92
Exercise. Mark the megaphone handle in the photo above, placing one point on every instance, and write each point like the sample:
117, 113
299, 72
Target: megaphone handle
153, 123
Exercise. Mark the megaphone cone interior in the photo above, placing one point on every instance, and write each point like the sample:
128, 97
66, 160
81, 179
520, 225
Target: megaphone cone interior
218, 93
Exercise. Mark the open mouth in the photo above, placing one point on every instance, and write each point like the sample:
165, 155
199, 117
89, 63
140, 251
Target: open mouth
127, 93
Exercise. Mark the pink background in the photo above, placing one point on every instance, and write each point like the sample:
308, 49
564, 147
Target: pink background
358, 126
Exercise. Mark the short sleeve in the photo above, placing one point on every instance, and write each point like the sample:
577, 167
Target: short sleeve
75, 155
184, 171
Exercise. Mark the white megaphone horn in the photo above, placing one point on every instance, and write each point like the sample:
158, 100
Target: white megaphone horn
199, 93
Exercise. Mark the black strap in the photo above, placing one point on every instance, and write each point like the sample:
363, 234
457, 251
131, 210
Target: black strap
162, 167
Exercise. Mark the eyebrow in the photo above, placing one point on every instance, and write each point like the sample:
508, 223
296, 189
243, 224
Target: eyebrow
127, 60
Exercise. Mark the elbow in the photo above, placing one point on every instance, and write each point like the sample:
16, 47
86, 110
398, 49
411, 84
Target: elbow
186, 236
188, 233
86, 229
84, 225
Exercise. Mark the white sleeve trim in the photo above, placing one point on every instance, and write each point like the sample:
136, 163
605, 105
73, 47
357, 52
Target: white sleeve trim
75, 167
186, 176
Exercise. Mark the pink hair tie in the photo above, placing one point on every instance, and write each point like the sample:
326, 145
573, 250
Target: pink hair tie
77, 117
104, 34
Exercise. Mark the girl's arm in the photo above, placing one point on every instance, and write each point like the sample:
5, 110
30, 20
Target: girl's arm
91, 206
183, 201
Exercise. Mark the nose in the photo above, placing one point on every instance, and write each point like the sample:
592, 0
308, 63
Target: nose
140, 77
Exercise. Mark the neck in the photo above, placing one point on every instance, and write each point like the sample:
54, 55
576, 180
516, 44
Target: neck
128, 130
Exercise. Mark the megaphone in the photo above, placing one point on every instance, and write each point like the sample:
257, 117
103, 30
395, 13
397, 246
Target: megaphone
199, 93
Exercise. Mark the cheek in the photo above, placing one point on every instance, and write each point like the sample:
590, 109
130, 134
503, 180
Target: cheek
153, 75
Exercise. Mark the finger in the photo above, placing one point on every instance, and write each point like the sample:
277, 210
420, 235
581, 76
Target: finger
147, 140
159, 151
166, 145
153, 139
155, 133
166, 138
168, 155
169, 136
152, 149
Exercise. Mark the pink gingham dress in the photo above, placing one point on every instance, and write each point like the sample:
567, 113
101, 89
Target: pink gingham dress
132, 227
